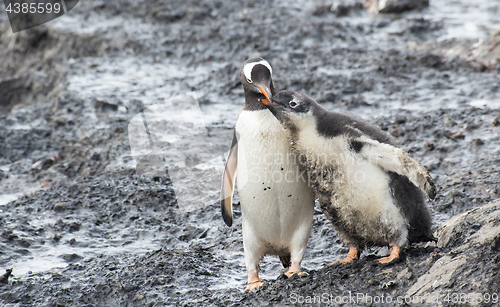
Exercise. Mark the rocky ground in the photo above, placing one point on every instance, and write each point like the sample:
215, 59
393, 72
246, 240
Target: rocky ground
80, 227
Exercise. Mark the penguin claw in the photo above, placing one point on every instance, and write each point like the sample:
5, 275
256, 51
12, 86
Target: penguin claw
254, 285
353, 254
342, 261
392, 258
387, 260
339, 262
294, 269
289, 274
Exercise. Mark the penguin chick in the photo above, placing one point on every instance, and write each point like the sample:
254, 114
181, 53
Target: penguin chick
277, 205
371, 191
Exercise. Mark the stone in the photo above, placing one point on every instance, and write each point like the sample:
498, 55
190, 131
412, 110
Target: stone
59, 207
476, 227
394, 6
471, 243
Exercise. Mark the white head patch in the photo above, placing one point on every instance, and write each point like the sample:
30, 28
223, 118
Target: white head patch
247, 69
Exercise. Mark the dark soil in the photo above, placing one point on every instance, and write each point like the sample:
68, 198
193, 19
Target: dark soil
83, 228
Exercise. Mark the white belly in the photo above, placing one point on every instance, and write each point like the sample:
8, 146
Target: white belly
365, 203
276, 202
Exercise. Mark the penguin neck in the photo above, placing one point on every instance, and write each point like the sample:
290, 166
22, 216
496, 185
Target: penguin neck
252, 101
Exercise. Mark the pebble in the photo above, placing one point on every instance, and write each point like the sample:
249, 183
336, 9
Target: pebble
394, 6
139, 297
457, 135
477, 142
496, 121
5, 277
389, 284
404, 274
60, 121
59, 207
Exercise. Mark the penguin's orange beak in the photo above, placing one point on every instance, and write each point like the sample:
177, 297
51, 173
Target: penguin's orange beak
267, 92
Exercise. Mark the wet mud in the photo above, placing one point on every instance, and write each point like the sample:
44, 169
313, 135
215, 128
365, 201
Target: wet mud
80, 227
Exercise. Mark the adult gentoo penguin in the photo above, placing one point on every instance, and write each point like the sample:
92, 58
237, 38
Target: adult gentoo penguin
276, 202
369, 189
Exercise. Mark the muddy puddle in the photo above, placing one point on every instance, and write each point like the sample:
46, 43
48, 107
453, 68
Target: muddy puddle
75, 213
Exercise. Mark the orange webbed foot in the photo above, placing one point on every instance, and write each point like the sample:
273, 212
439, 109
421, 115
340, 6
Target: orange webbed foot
291, 273
254, 285
352, 255
254, 282
294, 269
393, 257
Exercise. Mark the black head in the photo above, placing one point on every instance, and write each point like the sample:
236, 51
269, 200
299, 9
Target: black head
256, 77
292, 109
293, 102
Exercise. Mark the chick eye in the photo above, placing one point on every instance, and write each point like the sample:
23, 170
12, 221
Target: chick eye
293, 104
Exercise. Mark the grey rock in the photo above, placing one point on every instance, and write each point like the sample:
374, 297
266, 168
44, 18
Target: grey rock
472, 229
394, 6
472, 240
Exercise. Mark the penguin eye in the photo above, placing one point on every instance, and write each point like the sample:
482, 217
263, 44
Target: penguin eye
249, 80
293, 104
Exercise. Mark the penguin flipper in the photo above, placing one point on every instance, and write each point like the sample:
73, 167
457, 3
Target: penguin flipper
394, 159
228, 180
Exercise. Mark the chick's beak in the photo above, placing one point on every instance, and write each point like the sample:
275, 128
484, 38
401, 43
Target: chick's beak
267, 92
